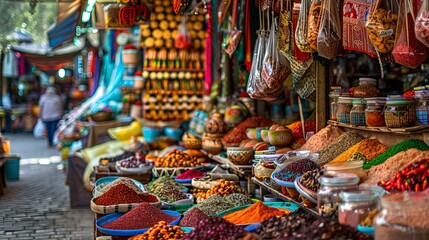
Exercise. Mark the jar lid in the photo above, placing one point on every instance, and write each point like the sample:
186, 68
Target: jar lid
394, 101
376, 189
344, 165
361, 195
339, 179
334, 94
368, 81
411, 200
358, 101
379, 100
345, 99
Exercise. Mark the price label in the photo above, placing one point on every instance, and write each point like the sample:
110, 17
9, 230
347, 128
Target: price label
272, 148
386, 33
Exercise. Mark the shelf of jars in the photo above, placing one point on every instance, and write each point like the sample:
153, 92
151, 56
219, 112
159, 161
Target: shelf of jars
264, 187
404, 130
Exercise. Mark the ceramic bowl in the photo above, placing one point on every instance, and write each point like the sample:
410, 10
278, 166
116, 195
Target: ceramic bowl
150, 134
191, 142
213, 146
251, 133
280, 138
174, 133
259, 132
264, 135
239, 155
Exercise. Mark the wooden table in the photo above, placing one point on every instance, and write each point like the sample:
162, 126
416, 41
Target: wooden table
264, 187
243, 171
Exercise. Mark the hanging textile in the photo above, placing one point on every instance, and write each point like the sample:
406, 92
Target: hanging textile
247, 37
10, 64
208, 50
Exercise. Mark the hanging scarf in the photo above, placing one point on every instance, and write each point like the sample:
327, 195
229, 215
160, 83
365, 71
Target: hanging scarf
247, 37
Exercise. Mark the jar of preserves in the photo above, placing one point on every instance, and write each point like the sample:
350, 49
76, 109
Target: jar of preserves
357, 113
356, 205
331, 185
374, 112
400, 112
367, 88
333, 98
422, 108
354, 167
344, 106
403, 216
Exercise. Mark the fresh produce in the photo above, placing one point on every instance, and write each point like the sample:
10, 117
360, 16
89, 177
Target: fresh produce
310, 179
134, 220
161, 230
224, 188
258, 212
402, 146
322, 139
296, 169
238, 133
414, 177
214, 228
122, 194
177, 158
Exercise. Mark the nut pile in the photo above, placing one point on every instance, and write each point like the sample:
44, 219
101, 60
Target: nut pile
224, 188
161, 231
313, 23
381, 27
177, 158
414, 177
302, 225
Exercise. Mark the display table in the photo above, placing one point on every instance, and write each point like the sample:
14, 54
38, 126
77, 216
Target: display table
264, 187
243, 171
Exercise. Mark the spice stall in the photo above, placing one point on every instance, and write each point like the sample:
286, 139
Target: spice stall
343, 143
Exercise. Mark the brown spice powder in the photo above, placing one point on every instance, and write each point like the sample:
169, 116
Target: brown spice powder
322, 139
392, 165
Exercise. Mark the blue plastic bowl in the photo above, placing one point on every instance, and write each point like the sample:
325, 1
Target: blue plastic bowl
281, 182
174, 133
128, 233
150, 134
366, 230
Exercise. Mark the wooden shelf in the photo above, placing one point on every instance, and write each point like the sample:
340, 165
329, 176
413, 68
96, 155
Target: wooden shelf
173, 70
399, 131
281, 196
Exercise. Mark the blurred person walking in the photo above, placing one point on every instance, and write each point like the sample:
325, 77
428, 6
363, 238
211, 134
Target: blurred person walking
51, 111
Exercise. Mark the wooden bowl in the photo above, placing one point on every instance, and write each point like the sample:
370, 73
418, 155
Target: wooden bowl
102, 116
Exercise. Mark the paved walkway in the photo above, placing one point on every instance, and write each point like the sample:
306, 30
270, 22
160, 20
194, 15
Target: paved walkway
37, 206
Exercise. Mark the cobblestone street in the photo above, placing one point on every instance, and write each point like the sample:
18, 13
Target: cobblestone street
38, 206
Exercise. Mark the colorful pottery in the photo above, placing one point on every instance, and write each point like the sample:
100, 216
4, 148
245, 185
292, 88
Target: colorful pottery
191, 142
280, 138
264, 135
239, 155
258, 132
212, 145
216, 124
234, 115
251, 133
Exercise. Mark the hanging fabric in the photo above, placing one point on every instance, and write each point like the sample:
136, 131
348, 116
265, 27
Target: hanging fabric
247, 37
232, 39
208, 50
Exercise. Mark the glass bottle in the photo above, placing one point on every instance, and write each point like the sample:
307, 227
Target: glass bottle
355, 206
331, 185
374, 112
403, 216
333, 97
344, 107
357, 113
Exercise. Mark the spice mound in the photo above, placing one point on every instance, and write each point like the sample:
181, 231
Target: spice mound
191, 173
239, 199
214, 228
224, 188
192, 218
370, 148
388, 169
122, 194
322, 139
166, 189
122, 180
302, 225
161, 231
258, 212
344, 142
143, 216
213, 205
296, 169
402, 146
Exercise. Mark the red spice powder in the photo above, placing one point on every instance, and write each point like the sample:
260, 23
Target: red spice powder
119, 194
147, 197
191, 173
193, 217
143, 216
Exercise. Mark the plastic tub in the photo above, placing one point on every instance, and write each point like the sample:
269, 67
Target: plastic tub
11, 168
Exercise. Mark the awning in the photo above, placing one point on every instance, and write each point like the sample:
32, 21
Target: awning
64, 29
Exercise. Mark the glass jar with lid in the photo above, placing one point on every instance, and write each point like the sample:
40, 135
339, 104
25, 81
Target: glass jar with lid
422, 108
374, 112
400, 112
367, 88
356, 205
344, 106
331, 185
357, 113
403, 216
354, 167
333, 97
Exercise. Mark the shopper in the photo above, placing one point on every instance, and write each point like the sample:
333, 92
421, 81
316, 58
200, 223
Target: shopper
51, 111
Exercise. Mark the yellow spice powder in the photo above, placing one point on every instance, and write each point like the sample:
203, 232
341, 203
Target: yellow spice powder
371, 148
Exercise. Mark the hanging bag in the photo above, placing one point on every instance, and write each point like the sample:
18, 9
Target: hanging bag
302, 27
355, 37
329, 42
422, 24
409, 51
382, 25
314, 23
284, 41
232, 40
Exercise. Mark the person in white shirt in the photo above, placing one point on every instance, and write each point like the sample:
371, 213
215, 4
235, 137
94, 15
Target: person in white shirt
51, 111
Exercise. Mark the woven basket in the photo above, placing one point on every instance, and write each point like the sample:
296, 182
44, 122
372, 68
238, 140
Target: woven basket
119, 208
